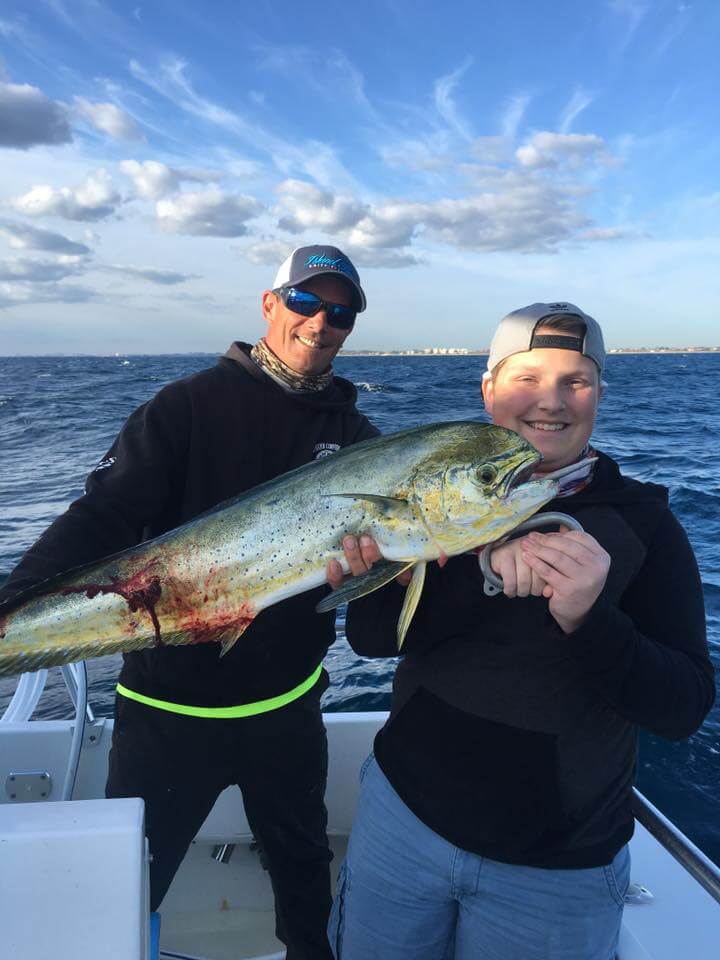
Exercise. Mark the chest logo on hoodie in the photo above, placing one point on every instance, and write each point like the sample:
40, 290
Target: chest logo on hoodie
321, 450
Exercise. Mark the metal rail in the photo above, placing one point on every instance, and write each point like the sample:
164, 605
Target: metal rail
700, 867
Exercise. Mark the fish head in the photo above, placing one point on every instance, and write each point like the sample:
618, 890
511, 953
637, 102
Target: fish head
478, 486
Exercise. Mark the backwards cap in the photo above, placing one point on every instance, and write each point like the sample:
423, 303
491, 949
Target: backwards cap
516, 334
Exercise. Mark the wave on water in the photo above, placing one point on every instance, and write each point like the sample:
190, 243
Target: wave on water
377, 388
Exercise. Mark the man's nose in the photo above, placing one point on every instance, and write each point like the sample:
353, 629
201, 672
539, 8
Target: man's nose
319, 319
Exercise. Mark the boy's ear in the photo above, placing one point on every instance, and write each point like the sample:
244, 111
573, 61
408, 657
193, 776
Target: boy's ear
488, 388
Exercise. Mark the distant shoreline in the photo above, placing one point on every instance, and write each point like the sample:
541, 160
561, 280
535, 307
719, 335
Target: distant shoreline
431, 352
455, 352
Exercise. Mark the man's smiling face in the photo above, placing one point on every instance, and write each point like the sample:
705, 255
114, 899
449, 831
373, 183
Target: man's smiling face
306, 344
549, 397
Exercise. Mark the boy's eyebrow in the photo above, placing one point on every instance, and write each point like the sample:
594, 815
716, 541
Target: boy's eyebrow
538, 368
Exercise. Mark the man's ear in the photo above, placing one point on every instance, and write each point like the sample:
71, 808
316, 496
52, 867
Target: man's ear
269, 302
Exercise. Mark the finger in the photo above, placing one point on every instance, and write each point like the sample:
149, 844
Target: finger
573, 540
562, 554
550, 575
507, 573
351, 549
524, 575
334, 573
369, 550
537, 585
404, 578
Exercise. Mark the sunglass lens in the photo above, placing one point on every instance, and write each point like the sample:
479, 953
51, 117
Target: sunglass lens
302, 302
307, 305
340, 317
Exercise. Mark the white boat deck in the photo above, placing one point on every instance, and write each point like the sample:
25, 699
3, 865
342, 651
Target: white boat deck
218, 911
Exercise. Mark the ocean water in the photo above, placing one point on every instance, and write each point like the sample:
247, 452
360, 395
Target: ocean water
659, 419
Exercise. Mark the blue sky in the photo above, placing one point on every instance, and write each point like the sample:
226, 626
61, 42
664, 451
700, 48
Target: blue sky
159, 160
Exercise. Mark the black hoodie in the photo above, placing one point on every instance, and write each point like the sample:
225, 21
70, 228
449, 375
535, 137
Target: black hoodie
198, 442
517, 742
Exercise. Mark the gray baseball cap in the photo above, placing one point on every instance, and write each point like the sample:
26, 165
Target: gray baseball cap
516, 334
306, 262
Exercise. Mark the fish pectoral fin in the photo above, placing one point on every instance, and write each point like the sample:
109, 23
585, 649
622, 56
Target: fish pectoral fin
412, 598
393, 506
377, 576
228, 638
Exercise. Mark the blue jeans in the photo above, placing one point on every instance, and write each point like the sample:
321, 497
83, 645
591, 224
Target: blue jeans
405, 893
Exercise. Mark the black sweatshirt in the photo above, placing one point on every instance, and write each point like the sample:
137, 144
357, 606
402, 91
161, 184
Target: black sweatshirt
518, 742
198, 442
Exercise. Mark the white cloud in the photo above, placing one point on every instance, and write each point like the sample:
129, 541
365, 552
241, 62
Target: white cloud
426, 155
392, 224
22, 236
93, 200
19, 294
633, 12
309, 207
313, 158
28, 118
109, 119
153, 179
445, 104
268, 252
579, 101
151, 274
514, 112
388, 259
36, 271
602, 234
546, 149
208, 214
491, 149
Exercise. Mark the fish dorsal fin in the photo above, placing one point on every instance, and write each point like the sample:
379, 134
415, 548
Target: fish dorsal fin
377, 576
412, 599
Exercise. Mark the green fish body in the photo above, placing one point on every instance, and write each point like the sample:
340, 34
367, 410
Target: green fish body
434, 490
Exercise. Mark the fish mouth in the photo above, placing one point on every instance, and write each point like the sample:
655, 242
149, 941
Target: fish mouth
520, 474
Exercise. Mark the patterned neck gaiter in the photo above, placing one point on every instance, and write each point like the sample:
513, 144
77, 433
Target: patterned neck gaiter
285, 375
576, 476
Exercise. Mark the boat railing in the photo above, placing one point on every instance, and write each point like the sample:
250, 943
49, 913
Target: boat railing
700, 867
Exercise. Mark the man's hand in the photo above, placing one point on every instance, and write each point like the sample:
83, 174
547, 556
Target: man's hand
574, 567
361, 553
518, 577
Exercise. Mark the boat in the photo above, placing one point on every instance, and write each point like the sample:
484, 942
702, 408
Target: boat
74, 866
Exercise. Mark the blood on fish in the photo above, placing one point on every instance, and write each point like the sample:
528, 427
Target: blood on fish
138, 591
203, 628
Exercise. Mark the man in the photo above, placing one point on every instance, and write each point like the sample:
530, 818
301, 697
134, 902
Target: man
495, 815
187, 724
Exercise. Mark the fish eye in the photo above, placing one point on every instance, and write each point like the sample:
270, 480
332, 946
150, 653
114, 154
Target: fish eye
486, 473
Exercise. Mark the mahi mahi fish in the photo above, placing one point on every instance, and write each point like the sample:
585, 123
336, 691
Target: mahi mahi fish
435, 490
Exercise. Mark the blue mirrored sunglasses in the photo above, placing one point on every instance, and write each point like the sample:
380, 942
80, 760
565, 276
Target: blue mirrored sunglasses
308, 304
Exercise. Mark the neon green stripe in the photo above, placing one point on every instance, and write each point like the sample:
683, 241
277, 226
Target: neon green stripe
222, 713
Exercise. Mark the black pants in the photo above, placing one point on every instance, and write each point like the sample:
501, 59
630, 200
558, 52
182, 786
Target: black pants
179, 765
